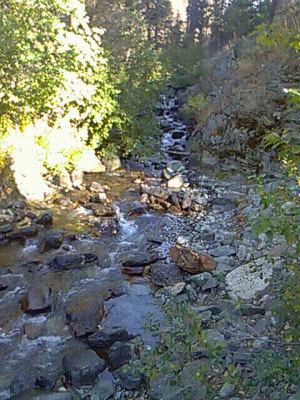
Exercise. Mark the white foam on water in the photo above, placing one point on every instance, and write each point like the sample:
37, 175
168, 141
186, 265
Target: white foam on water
128, 228
30, 248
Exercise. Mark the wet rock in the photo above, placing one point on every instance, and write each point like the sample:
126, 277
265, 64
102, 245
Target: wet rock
192, 261
23, 233
50, 240
23, 222
6, 228
53, 326
84, 312
136, 211
177, 151
165, 274
45, 219
33, 330
129, 377
119, 354
36, 300
63, 202
106, 225
106, 337
178, 134
102, 198
104, 387
101, 210
82, 367
140, 260
72, 261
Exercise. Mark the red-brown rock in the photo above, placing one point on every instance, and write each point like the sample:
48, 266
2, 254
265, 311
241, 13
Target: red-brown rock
191, 260
36, 300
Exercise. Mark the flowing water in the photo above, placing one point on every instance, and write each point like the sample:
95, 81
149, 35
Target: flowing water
32, 346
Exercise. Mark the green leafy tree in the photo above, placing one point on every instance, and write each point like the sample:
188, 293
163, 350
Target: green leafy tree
135, 70
48, 66
158, 19
239, 18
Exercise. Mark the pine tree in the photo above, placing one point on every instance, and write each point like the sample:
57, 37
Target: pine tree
196, 19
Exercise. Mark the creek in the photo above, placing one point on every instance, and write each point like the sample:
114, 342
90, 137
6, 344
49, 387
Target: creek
34, 341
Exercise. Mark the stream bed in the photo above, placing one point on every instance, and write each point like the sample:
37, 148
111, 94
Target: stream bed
50, 301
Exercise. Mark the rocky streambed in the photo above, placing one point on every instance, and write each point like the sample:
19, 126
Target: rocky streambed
79, 279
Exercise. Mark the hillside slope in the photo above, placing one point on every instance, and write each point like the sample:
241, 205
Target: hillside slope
246, 99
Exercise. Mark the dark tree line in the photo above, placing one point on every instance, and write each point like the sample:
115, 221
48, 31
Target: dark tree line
215, 22
212, 22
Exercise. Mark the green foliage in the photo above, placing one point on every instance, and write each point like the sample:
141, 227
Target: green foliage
135, 70
49, 68
158, 18
181, 339
241, 17
184, 63
274, 368
275, 36
193, 107
139, 81
281, 208
178, 337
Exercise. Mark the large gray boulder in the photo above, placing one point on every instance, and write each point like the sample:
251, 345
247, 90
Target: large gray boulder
249, 280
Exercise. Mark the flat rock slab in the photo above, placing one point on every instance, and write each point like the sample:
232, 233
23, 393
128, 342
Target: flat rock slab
247, 281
